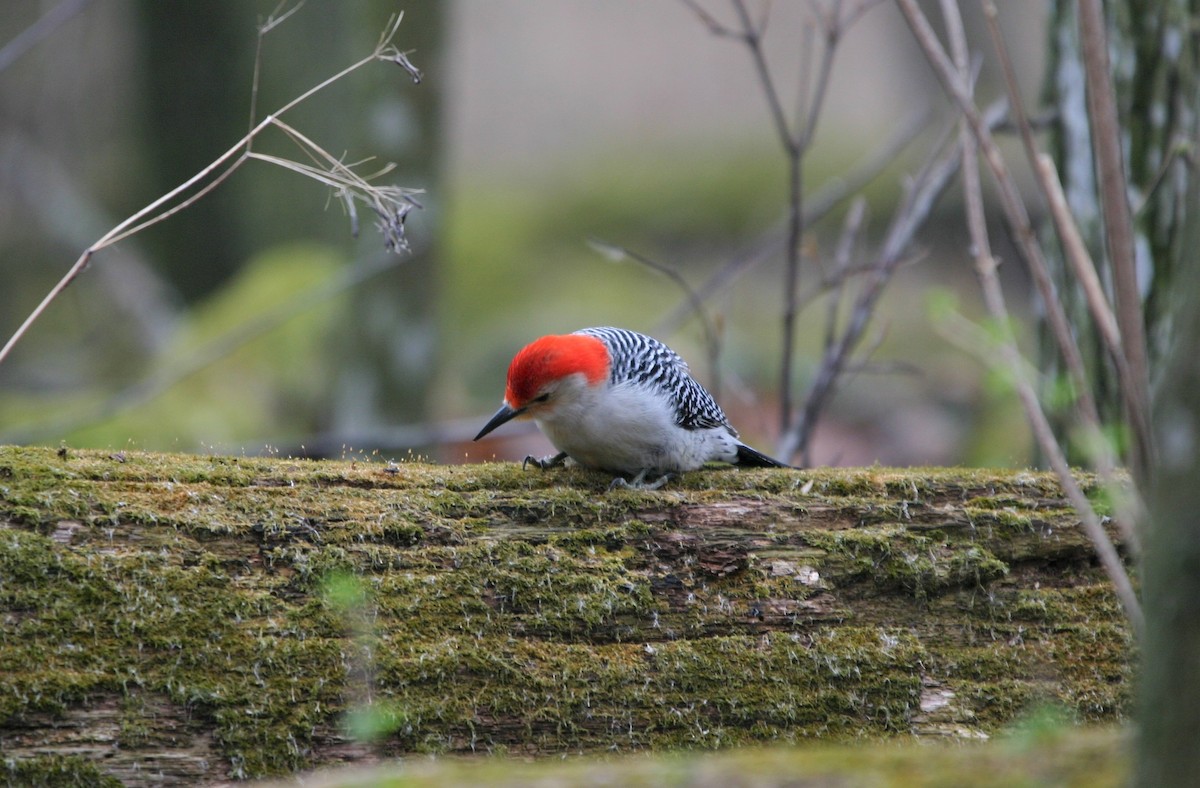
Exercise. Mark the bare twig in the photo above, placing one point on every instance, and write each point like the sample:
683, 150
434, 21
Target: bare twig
832, 32
908, 218
390, 204
712, 340
795, 140
1181, 149
816, 207
843, 253
1010, 358
1079, 259
1047, 179
709, 21
1118, 226
395, 202
273, 20
1012, 203
794, 150
849, 237
752, 36
33, 35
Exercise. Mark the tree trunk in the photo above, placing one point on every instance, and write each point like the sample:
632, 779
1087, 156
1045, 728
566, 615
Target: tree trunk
172, 617
1170, 671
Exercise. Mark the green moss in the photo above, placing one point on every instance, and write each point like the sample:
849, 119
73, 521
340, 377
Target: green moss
135, 729
55, 771
483, 608
716, 692
922, 564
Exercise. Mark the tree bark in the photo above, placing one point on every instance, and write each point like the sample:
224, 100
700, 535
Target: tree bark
172, 617
1170, 672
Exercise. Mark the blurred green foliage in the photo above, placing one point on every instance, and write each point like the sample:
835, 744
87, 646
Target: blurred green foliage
256, 388
515, 264
506, 260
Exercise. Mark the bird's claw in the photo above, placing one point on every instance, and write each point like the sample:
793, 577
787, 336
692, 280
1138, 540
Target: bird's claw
543, 463
639, 482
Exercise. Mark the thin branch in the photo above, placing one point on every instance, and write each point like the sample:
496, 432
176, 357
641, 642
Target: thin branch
1010, 358
1181, 148
1047, 179
395, 201
857, 11
278, 16
850, 271
807, 47
808, 126
273, 20
1076, 253
883, 367
1010, 200
306, 95
751, 36
1067, 229
117, 233
39, 31
1118, 226
818, 205
1077, 256
918, 201
796, 141
710, 21
794, 153
712, 342
217, 180
849, 237
1079, 259
851, 228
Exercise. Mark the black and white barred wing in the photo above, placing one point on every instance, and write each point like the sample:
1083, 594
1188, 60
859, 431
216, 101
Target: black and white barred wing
644, 360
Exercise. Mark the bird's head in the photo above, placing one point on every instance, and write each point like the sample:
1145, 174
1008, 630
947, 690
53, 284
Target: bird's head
547, 372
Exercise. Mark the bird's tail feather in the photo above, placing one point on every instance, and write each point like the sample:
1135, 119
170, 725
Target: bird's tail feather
753, 458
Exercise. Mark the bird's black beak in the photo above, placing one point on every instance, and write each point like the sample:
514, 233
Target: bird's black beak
504, 414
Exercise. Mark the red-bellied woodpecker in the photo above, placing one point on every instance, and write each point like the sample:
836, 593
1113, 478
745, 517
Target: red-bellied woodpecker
622, 402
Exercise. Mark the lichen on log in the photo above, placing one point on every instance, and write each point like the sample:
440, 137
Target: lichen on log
206, 617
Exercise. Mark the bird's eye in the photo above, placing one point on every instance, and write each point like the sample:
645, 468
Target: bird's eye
542, 398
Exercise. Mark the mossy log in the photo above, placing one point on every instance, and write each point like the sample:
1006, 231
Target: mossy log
171, 617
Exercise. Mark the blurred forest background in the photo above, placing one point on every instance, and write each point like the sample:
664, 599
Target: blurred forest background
254, 322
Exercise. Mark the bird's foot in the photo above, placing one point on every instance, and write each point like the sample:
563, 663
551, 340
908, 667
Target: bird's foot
639, 482
545, 462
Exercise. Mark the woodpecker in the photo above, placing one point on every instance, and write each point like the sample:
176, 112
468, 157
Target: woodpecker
619, 401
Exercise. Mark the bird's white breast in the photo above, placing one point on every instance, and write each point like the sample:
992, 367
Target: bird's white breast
628, 428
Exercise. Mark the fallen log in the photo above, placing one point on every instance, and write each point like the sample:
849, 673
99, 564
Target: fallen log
200, 618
